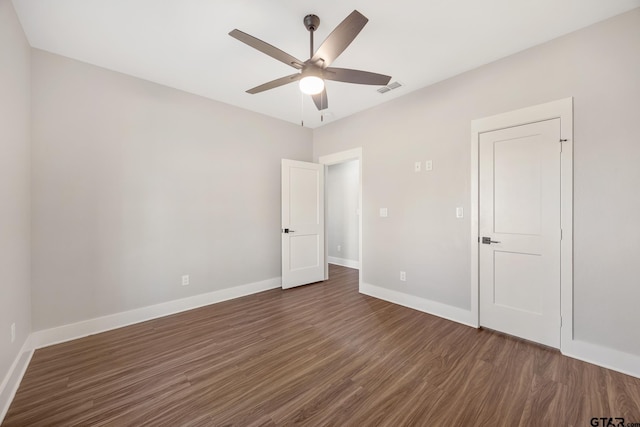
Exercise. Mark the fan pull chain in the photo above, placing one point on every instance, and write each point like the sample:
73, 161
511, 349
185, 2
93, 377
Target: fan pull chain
301, 109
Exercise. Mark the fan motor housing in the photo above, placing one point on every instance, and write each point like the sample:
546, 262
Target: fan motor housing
311, 22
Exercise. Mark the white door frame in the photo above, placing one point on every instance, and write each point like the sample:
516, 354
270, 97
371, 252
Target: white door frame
333, 159
562, 109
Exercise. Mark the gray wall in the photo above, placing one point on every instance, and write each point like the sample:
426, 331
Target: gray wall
136, 184
600, 67
15, 306
343, 187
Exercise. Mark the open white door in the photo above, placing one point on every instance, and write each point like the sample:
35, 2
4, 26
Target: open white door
303, 255
520, 231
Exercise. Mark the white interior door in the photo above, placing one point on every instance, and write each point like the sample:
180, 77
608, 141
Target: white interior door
519, 224
303, 254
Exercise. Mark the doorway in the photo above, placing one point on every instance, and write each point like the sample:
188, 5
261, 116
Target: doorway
340, 158
342, 186
521, 223
304, 209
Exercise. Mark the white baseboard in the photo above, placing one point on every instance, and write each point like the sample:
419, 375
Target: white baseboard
604, 356
96, 325
12, 380
421, 304
587, 352
344, 262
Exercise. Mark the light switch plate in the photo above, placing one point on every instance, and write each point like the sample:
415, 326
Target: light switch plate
459, 212
384, 212
417, 167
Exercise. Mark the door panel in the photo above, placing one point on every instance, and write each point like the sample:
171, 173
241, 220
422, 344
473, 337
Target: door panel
303, 189
520, 215
304, 251
302, 223
517, 186
523, 294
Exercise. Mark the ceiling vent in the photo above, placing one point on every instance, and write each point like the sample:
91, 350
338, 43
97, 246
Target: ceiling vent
390, 87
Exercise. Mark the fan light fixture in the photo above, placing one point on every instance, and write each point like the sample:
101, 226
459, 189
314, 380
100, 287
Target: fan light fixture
312, 73
311, 85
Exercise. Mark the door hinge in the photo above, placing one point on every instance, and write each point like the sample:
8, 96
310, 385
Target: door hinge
561, 141
561, 321
561, 234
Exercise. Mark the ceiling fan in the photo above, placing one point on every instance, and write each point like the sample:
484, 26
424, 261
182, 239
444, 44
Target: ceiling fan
315, 70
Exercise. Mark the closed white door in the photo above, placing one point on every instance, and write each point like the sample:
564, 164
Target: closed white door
303, 256
519, 224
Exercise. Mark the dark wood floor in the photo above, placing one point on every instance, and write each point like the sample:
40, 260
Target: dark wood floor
318, 355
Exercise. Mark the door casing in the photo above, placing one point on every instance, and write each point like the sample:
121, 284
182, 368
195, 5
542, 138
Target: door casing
562, 109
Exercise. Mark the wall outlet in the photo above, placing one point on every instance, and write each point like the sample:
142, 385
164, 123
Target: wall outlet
403, 276
185, 280
13, 332
417, 166
428, 165
339, 248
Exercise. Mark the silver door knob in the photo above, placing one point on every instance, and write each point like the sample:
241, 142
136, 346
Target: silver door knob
488, 241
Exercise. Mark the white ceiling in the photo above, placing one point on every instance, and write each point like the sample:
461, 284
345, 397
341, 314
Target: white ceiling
185, 43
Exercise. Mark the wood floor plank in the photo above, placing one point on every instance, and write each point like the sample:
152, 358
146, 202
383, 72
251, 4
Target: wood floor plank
317, 355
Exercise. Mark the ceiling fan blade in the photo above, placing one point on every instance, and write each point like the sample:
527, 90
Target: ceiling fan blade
266, 48
355, 76
320, 100
275, 83
339, 39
